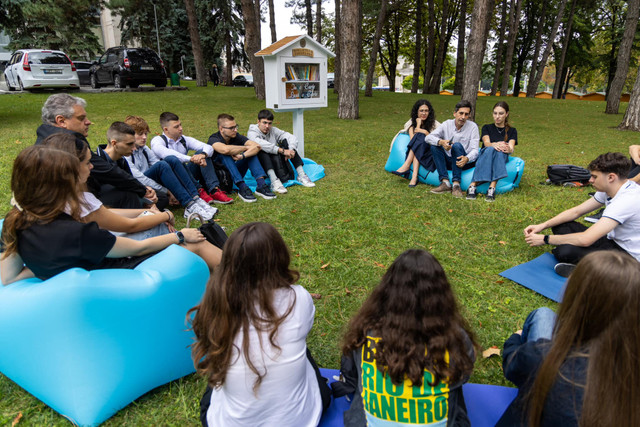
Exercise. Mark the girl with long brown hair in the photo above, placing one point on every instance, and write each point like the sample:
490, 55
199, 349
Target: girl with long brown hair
408, 350
586, 371
42, 234
251, 330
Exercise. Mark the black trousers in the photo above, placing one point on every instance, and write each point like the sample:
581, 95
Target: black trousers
325, 392
573, 254
114, 198
267, 163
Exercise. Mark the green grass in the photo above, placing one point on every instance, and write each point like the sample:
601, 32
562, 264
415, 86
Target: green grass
359, 217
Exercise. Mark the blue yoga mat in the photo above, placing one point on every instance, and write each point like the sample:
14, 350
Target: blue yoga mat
485, 403
538, 275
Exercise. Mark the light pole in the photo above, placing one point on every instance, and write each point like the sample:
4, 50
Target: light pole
155, 14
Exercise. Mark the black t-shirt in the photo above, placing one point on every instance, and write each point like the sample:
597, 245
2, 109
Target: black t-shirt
49, 249
497, 134
217, 137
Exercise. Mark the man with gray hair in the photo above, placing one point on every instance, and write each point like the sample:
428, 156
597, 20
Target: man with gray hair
110, 184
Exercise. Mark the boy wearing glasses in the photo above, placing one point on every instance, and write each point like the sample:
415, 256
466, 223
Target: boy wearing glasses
238, 153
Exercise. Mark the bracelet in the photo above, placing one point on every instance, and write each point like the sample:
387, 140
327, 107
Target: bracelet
169, 213
546, 239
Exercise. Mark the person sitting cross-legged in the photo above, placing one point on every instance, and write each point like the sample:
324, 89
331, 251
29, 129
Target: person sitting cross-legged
238, 153
172, 142
274, 142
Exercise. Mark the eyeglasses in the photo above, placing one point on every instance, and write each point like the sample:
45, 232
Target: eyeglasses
230, 127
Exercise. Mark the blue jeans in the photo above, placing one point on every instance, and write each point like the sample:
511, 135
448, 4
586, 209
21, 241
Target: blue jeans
171, 173
539, 324
490, 166
239, 168
445, 163
205, 174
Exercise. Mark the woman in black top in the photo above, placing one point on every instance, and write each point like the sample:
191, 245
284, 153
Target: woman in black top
43, 236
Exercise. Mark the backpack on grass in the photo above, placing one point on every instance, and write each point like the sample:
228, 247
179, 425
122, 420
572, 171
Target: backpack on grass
568, 175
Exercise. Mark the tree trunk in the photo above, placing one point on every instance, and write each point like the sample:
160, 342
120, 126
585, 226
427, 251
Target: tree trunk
549, 46
514, 18
309, 17
531, 90
631, 119
272, 22
373, 58
196, 47
499, 48
319, 21
624, 53
568, 76
228, 65
475, 51
350, 38
462, 28
434, 86
336, 61
252, 44
390, 64
431, 47
418, 47
557, 88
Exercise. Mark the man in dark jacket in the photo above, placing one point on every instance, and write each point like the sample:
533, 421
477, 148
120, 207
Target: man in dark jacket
115, 188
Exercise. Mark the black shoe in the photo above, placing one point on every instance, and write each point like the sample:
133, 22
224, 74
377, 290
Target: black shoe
404, 175
265, 192
564, 269
595, 217
246, 195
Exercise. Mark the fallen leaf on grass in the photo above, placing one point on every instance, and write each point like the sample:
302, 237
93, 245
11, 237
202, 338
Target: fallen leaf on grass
329, 227
499, 282
491, 351
17, 419
297, 255
379, 265
502, 242
347, 291
316, 296
294, 210
567, 142
325, 266
450, 210
18, 141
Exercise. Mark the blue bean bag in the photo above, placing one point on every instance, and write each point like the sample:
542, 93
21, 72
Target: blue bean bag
398, 154
313, 170
87, 343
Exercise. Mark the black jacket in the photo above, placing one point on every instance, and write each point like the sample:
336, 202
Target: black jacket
103, 172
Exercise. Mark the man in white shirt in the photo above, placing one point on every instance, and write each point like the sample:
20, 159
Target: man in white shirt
173, 143
454, 146
618, 229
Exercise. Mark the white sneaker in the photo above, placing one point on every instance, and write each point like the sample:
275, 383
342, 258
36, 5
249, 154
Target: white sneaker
197, 208
277, 187
207, 207
305, 181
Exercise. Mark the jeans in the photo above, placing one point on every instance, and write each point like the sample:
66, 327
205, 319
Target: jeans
573, 254
445, 163
491, 165
539, 324
205, 174
239, 168
171, 173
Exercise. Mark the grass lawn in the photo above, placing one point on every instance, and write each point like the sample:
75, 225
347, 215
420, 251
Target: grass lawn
344, 233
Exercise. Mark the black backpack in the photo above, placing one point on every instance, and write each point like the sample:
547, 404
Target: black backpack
562, 174
281, 166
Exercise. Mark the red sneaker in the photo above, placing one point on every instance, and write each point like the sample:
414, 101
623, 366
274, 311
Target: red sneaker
204, 195
219, 197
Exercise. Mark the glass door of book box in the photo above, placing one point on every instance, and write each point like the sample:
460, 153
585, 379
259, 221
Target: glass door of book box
303, 82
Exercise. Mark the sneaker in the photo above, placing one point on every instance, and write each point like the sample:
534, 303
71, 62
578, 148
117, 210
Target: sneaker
471, 193
305, 181
246, 195
595, 217
491, 195
204, 195
218, 196
195, 207
564, 269
206, 207
277, 187
456, 191
265, 193
444, 187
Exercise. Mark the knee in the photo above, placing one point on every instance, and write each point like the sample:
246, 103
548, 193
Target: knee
173, 161
163, 166
457, 148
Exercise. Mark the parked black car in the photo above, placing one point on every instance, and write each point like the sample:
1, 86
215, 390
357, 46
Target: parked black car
83, 69
122, 66
245, 80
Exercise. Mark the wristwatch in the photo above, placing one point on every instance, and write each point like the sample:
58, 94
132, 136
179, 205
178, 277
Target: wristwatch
180, 237
546, 239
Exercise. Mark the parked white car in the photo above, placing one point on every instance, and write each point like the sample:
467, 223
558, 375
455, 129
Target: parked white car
36, 68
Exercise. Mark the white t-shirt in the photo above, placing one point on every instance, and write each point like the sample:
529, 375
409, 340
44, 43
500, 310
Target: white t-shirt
289, 394
88, 204
624, 208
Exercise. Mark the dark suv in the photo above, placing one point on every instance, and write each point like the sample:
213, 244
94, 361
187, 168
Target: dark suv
122, 66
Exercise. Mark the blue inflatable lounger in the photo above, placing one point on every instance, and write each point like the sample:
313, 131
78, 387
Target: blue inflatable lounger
87, 343
398, 154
